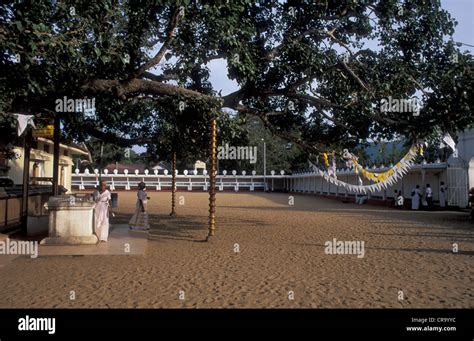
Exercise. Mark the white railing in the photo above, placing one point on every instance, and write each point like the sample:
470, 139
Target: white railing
303, 182
309, 182
187, 180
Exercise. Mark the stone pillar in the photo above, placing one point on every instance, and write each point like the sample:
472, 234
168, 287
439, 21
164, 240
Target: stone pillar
71, 222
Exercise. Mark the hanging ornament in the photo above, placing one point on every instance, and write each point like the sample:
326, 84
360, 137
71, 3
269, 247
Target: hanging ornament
381, 180
326, 159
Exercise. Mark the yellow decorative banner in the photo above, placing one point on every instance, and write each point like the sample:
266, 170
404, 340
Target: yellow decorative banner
382, 180
382, 177
326, 159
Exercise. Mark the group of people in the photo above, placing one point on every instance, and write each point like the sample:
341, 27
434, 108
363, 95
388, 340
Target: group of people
419, 200
103, 208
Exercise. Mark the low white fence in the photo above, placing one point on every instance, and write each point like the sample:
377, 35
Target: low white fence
308, 182
190, 181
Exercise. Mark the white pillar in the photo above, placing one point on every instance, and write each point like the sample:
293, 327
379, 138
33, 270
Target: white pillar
346, 194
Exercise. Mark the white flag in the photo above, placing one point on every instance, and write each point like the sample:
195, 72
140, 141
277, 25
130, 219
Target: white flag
23, 121
449, 141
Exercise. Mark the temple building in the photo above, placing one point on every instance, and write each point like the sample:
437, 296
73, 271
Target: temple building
41, 163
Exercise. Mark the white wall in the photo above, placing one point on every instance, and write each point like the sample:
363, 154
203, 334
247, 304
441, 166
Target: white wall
316, 184
465, 148
465, 157
46, 170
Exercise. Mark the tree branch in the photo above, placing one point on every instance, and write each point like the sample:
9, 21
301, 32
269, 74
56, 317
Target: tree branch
233, 98
169, 37
284, 135
159, 78
352, 73
115, 88
114, 139
420, 87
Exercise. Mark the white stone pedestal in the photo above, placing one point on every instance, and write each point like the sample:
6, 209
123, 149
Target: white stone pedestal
71, 222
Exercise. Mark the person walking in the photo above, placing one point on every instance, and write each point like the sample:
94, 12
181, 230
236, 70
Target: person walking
139, 220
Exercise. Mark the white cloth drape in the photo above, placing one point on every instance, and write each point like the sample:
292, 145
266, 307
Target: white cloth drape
449, 141
23, 121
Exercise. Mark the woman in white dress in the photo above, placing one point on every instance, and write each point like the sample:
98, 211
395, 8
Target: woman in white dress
415, 198
102, 199
139, 221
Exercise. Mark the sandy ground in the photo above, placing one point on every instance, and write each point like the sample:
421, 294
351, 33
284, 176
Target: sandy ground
281, 260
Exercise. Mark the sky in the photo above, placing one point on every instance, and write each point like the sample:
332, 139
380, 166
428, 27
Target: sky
461, 10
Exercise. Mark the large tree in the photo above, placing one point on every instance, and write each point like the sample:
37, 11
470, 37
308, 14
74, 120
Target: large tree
314, 72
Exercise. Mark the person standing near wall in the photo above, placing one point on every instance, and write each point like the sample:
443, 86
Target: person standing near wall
415, 198
442, 195
102, 199
429, 196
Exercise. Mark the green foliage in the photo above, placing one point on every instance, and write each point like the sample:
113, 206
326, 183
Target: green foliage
278, 52
104, 153
8, 136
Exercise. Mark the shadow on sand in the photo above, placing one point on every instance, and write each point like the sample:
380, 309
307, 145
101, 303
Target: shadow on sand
187, 227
